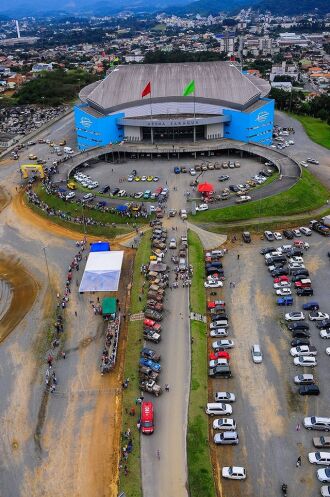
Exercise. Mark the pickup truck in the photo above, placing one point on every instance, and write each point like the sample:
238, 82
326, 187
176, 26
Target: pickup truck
151, 314
147, 373
151, 336
151, 387
156, 306
154, 366
150, 354
155, 296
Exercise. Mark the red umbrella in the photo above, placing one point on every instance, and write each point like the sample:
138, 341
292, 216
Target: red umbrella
205, 188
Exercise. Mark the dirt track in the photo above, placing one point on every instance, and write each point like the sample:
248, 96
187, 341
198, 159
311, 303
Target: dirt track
80, 433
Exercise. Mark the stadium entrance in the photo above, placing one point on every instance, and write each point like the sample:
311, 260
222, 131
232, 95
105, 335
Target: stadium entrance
173, 134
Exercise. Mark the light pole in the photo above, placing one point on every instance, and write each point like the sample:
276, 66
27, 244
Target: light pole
83, 217
46, 261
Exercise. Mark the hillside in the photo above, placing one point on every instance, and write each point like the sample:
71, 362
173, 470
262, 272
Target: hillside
287, 8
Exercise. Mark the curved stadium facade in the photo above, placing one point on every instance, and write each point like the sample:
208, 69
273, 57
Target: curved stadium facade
225, 104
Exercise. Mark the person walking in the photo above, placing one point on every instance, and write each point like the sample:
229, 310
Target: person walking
298, 464
298, 427
238, 257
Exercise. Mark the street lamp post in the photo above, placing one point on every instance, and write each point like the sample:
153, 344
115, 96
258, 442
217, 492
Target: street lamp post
47, 267
83, 217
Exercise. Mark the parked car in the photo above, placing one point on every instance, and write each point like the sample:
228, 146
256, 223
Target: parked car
305, 231
220, 372
318, 316
224, 397
154, 366
309, 390
202, 207
226, 424
303, 350
323, 475
294, 316
321, 442
246, 237
226, 438
325, 333
223, 344
218, 332
304, 379
299, 341
305, 361
218, 408
234, 472
305, 292
317, 423
269, 236
283, 291
311, 306
285, 300
213, 284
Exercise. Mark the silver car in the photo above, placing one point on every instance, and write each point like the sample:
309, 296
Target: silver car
256, 354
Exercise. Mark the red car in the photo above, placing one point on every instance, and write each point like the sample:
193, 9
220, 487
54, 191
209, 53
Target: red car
216, 303
281, 278
305, 283
150, 323
221, 354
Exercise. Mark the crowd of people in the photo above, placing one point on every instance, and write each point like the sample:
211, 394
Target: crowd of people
63, 299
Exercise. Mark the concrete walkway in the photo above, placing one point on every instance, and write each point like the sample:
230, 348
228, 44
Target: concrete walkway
209, 240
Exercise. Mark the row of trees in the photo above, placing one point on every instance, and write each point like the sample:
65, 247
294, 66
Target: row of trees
296, 102
54, 87
159, 56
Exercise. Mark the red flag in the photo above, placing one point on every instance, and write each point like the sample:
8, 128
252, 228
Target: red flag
147, 90
232, 58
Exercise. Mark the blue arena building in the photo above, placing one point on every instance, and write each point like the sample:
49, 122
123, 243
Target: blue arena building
224, 104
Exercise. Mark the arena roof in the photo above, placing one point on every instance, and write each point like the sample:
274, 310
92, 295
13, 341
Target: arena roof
216, 82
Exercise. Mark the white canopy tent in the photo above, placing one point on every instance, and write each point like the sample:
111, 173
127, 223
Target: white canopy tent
102, 272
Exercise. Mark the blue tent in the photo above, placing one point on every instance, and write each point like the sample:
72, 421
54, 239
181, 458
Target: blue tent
121, 208
100, 247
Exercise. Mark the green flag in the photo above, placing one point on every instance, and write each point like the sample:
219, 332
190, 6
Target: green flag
190, 88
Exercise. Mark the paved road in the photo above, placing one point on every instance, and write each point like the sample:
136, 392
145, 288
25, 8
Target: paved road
304, 147
268, 408
168, 476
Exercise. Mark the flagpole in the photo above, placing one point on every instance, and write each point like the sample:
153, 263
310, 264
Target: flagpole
151, 129
194, 117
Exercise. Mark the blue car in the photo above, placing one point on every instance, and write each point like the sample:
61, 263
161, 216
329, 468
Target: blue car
150, 364
177, 170
288, 300
311, 306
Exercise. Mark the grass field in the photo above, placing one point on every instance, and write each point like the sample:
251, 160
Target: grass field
317, 130
306, 195
200, 477
131, 484
76, 209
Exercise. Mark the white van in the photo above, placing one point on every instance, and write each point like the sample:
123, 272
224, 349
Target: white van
319, 458
218, 409
68, 150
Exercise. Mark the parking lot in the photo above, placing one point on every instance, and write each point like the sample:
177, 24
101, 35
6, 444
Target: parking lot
268, 408
116, 175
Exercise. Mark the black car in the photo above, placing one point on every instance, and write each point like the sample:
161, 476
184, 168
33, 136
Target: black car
267, 250
106, 189
305, 292
224, 177
293, 252
309, 390
246, 237
115, 191
325, 323
233, 188
299, 341
288, 234
302, 273
279, 272
301, 334
220, 372
298, 325
219, 317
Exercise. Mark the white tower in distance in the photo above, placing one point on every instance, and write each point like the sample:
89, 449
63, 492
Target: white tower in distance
17, 29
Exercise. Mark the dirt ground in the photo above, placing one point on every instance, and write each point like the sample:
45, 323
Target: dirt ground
77, 452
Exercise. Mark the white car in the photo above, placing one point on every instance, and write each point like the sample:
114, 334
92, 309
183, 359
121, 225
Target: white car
327, 350
302, 350
277, 235
218, 324
296, 232
202, 207
303, 379
305, 231
88, 196
223, 344
303, 163
294, 316
305, 361
283, 291
296, 258
143, 178
70, 195
121, 193
192, 171
282, 284
228, 424
222, 361
323, 475
296, 265
325, 333
219, 332
224, 397
138, 195
172, 244
243, 198
130, 177
213, 284
319, 458
318, 316
256, 354
325, 490
234, 472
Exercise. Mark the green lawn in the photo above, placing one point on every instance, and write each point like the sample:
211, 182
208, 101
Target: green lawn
317, 130
200, 476
307, 194
131, 484
76, 209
